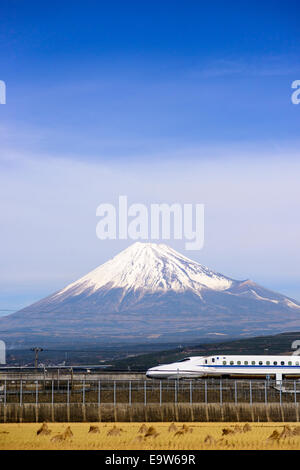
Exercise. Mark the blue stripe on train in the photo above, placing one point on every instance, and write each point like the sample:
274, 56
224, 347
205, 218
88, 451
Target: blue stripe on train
245, 366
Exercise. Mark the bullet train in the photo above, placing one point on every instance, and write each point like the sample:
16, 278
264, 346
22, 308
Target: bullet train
218, 366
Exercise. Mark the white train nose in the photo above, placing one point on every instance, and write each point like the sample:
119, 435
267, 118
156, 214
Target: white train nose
153, 372
158, 372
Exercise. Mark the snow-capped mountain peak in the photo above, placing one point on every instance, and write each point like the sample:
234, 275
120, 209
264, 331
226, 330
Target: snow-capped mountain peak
150, 291
150, 267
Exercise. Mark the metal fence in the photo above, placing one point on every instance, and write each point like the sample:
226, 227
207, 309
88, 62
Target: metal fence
149, 392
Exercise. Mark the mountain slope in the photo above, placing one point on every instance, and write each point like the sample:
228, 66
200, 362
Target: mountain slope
150, 291
149, 267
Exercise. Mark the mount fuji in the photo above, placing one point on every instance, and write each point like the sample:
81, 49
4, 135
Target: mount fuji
150, 292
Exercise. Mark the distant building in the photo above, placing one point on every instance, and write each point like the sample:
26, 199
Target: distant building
2, 352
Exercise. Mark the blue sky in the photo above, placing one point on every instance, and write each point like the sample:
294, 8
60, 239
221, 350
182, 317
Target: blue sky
163, 101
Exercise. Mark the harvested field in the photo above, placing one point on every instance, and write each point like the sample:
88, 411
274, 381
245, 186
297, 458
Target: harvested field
157, 436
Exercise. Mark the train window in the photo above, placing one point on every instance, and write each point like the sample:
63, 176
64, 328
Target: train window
224, 362
268, 363
253, 363
297, 363
275, 363
231, 363
213, 359
282, 363
260, 363
185, 359
239, 363
246, 363
290, 363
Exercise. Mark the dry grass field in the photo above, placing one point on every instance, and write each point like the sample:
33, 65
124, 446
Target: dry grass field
153, 436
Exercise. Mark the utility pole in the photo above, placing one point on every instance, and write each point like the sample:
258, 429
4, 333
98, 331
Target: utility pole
36, 355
